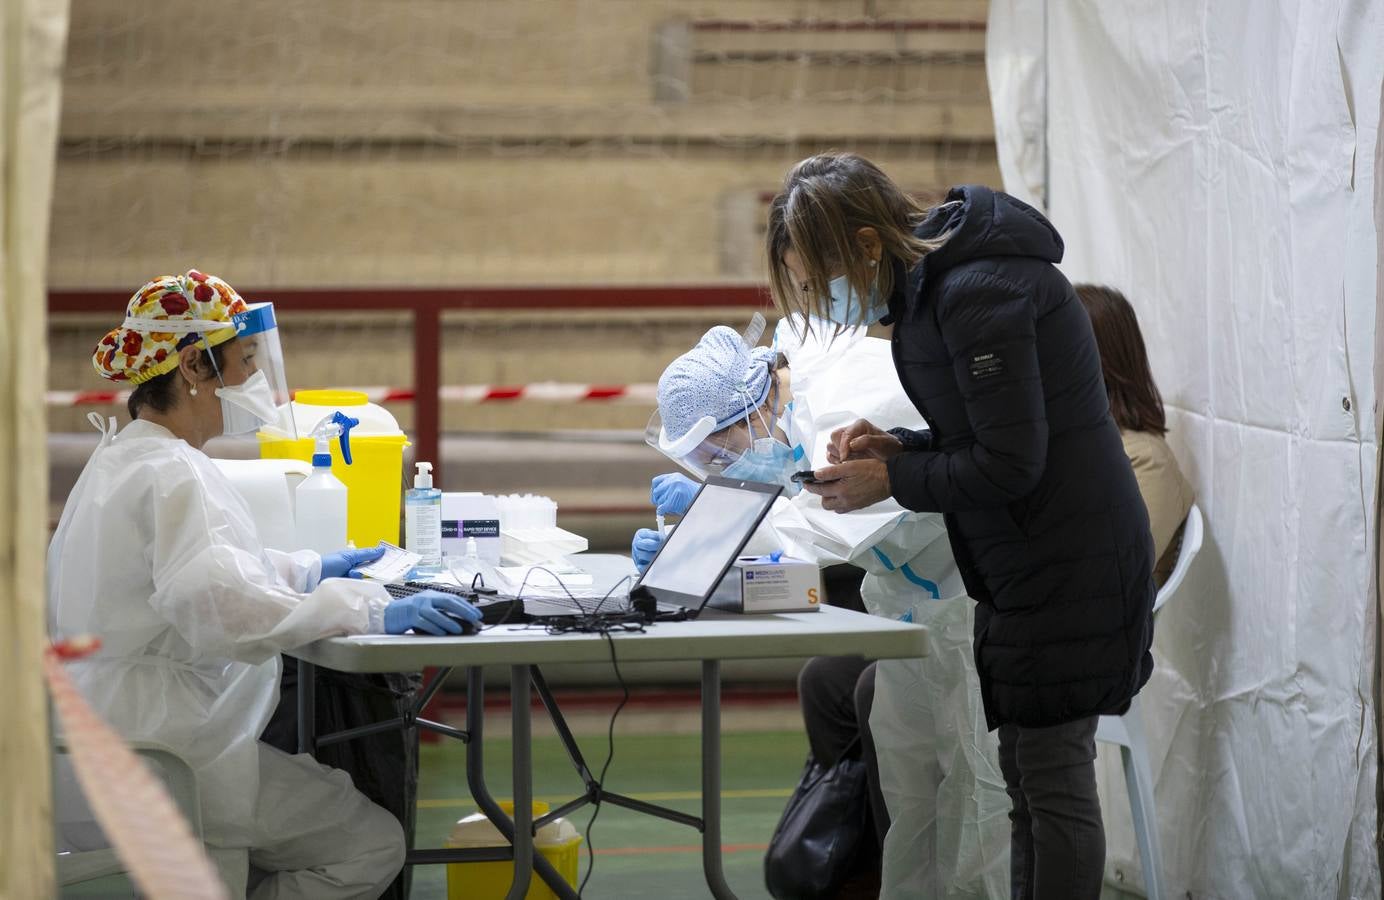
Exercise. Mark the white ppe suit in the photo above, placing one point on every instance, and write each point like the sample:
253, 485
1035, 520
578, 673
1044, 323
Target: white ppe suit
938, 762
156, 555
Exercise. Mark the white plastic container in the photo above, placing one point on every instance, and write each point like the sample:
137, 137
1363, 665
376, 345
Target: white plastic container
320, 509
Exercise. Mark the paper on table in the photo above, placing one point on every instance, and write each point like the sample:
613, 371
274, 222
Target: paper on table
541, 582
393, 566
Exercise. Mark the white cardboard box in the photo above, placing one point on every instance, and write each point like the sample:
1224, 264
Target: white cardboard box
467, 515
755, 585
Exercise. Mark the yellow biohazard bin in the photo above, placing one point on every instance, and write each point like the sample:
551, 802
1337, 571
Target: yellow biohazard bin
374, 480
558, 842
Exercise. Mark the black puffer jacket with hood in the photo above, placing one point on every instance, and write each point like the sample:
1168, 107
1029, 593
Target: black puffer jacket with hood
1044, 515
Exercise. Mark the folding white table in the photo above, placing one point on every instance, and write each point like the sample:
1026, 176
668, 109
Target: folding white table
709, 639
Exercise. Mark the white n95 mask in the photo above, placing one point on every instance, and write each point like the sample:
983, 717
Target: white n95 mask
245, 407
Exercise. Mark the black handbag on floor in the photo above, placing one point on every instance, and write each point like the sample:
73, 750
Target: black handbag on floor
814, 847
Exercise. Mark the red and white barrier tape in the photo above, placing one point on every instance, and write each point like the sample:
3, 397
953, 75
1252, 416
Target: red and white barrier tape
544, 392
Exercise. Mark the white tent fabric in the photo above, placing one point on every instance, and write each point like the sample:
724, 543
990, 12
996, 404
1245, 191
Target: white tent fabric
1216, 162
33, 34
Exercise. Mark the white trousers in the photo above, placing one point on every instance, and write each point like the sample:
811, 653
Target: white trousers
313, 836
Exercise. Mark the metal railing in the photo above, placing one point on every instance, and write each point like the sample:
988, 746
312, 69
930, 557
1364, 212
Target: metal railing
427, 305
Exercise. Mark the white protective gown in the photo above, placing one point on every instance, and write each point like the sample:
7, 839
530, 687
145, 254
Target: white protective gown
157, 556
939, 768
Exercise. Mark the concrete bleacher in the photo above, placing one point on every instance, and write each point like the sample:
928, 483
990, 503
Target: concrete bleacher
400, 144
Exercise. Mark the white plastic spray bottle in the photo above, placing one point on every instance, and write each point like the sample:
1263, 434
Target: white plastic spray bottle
321, 499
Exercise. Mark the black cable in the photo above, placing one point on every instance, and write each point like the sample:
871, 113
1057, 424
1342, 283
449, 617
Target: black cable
519, 594
610, 755
603, 623
478, 580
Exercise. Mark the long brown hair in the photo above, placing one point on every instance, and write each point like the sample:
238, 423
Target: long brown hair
1124, 362
825, 201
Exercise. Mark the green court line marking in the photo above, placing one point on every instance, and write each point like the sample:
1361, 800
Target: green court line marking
652, 797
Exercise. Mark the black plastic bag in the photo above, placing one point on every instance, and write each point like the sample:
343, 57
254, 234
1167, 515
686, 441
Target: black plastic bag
813, 850
384, 766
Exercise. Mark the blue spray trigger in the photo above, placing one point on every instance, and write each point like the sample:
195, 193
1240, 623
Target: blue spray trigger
346, 423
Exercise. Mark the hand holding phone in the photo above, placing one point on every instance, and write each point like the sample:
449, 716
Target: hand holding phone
807, 476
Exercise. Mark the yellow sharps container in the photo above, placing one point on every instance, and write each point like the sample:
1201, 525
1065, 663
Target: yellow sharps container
558, 842
375, 477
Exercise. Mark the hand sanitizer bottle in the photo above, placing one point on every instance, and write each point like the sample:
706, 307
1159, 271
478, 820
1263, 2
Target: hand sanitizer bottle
423, 520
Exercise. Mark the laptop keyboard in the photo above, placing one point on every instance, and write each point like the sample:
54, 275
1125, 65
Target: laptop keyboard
494, 610
497, 609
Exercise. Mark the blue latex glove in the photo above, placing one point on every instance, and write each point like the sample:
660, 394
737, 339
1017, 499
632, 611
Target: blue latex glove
645, 546
342, 563
672, 493
426, 611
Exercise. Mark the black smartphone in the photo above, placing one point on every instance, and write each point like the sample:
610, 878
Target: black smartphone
806, 476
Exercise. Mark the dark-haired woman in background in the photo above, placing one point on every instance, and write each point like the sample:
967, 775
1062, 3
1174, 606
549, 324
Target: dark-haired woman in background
1138, 410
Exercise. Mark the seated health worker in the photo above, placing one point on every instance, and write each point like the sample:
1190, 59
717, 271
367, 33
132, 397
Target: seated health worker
763, 413
157, 556
1138, 410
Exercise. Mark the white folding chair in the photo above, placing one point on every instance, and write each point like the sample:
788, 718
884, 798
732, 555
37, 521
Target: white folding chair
76, 866
1127, 731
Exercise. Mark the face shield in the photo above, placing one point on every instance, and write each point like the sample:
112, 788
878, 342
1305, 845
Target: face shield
262, 400
709, 447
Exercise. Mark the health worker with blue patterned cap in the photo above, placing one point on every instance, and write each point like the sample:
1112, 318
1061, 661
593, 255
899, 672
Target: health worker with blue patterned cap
721, 411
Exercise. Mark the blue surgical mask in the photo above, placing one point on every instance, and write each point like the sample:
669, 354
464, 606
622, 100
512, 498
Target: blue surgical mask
770, 461
845, 304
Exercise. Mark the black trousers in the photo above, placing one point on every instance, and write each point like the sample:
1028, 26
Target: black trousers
1057, 844
836, 694
384, 766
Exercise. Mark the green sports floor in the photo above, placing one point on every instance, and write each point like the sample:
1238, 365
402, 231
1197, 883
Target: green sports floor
635, 855
657, 759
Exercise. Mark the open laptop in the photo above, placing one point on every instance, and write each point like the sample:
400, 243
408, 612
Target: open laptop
696, 556
686, 570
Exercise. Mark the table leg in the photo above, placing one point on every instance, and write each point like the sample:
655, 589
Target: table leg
480, 792
523, 781
307, 706
711, 781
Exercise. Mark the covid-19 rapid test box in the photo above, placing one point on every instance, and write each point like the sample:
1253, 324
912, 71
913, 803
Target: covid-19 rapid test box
470, 515
758, 584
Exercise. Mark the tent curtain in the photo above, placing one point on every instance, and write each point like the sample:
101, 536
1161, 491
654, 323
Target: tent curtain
1217, 163
33, 35
1377, 580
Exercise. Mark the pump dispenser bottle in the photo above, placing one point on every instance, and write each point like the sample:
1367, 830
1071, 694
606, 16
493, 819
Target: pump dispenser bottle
423, 520
320, 500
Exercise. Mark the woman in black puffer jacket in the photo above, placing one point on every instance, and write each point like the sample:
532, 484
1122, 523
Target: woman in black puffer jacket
1023, 458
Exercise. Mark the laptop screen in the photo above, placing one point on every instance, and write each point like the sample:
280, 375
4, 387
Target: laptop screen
703, 545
